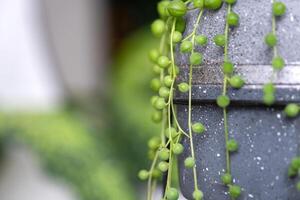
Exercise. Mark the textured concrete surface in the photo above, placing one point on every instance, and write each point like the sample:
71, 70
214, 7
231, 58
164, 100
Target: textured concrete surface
247, 40
267, 142
267, 139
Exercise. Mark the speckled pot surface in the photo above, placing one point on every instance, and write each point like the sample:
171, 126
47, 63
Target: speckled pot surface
268, 141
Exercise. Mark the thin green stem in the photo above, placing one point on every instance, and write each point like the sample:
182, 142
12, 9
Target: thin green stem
153, 186
172, 48
149, 186
188, 37
176, 140
173, 70
176, 121
164, 120
172, 62
169, 122
161, 51
190, 102
275, 51
189, 1
226, 35
225, 83
169, 175
274, 32
166, 145
170, 167
226, 134
171, 92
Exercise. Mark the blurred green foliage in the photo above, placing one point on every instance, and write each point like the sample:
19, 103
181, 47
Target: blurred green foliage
99, 161
67, 149
130, 106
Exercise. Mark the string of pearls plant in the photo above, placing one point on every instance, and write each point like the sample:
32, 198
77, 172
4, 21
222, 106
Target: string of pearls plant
278, 63
292, 110
164, 149
223, 101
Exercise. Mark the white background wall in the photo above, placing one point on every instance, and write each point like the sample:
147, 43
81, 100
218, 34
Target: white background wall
27, 77
50, 49
43, 48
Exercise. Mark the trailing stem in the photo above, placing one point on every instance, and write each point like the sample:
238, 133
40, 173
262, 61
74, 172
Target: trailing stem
225, 81
190, 102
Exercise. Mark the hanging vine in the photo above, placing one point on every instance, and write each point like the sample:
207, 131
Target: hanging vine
223, 101
195, 59
278, 9
164, 149
292, 110
169, 28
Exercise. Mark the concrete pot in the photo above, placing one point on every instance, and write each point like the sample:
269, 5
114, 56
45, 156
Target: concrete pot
268, 141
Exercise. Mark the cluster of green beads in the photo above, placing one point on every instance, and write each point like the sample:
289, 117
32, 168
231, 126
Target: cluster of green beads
187, 46
169, 28
223, 101
220, 40
271, 40
292, 110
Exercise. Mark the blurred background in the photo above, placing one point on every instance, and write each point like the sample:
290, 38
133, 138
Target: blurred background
74, 98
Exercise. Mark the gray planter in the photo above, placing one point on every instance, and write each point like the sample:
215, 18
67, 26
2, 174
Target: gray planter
268, 141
